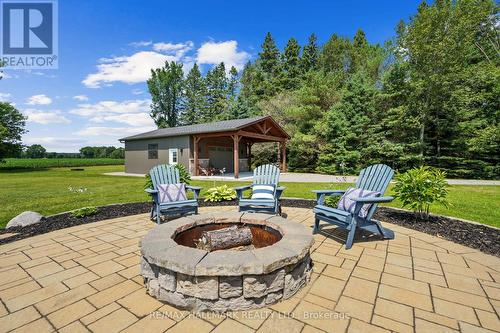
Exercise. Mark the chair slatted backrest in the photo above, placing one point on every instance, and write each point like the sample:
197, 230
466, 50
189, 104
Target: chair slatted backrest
375, 178
164, 174
266, 174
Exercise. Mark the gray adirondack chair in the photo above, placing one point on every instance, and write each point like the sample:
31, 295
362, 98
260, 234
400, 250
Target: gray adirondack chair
373, 178
169, 174
267, 174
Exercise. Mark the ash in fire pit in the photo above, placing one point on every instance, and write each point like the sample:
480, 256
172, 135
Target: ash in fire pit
221, 262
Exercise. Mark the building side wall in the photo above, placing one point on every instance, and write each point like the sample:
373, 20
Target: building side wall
136, 153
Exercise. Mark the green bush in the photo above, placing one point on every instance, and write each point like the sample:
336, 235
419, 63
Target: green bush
85, 211
184, 176
332, 201
220, 193
419, 188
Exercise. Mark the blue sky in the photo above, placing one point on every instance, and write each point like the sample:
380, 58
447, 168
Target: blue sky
106, 49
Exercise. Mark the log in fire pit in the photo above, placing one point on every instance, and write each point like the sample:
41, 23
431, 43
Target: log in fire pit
226, 261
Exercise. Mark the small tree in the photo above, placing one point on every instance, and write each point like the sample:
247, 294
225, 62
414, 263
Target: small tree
87, 152
35, 151
118, 153
11, 128
165, 87
421, 187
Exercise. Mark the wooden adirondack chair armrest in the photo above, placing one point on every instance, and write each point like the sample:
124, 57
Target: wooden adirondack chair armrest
320, 194
374, 199
279, 191
239, 190
153, 193
196, 190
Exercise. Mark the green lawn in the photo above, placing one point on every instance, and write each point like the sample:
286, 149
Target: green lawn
46, 191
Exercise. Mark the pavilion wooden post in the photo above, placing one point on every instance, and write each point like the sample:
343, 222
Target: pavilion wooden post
283, 152
250, 156
236, 154
195, 155
278, 144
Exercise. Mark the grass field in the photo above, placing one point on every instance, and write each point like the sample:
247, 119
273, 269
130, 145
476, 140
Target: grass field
47, 191
42, 163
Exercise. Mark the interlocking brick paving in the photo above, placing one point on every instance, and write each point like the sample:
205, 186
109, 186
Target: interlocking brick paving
86, 278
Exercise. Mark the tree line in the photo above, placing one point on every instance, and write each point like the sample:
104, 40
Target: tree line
430, 95
195, 98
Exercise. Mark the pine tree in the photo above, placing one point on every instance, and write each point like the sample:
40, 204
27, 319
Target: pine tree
270, 56
232, 84
165, 87
194, 97
291, 65
359, 52
335, 56
310, 55
216, 82
232, 110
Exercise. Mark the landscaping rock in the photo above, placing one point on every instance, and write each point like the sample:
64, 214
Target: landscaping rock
24, 219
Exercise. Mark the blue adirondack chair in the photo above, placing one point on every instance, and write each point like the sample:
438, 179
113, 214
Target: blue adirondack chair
267, 174
373, 178
169, 174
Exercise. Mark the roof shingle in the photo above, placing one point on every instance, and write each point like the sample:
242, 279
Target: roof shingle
218, 126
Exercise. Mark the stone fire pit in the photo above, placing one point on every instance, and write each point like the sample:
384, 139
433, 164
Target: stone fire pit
275, 267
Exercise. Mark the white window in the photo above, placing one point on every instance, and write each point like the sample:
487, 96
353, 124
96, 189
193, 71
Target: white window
173, 155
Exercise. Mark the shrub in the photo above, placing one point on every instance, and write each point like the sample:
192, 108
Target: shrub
184, 176
332, 201
220, 193
419, 188
85, 211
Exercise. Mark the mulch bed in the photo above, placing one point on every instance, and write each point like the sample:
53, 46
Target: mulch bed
476, 236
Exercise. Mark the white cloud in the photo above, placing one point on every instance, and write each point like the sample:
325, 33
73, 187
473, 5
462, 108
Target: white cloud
128, 69
81, 98
133, 112
39, 100
213, 53
69, 143
137, 67
137, 92
118, 132
178, 49
5, 97
132, 119
112, 107
141, 43
46, 117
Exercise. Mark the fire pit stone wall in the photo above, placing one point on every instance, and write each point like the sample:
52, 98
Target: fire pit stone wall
225, 280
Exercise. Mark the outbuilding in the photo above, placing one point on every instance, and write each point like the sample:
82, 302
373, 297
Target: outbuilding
223, 145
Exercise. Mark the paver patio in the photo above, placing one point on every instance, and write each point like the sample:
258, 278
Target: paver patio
86, 278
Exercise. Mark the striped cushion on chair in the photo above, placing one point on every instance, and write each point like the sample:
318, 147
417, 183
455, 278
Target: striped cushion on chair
263, 192
171, 192
346, 202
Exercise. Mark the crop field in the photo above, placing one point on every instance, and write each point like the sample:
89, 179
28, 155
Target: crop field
42, 163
